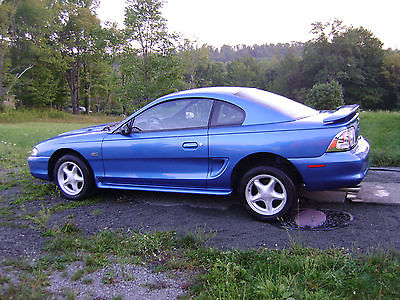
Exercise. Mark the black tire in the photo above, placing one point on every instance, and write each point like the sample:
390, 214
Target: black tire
73, 177
267, 193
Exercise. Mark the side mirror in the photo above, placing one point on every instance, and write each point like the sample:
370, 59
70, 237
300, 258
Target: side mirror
126, 129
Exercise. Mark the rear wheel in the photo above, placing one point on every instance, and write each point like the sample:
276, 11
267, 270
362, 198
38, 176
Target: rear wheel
73, 177
267, 192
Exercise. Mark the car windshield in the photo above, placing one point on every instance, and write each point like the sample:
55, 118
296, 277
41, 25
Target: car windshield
283, 105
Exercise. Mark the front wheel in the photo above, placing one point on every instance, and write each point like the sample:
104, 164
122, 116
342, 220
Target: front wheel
267, 192
73, 177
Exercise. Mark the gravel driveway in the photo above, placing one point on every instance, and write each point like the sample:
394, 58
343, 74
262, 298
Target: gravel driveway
373, 225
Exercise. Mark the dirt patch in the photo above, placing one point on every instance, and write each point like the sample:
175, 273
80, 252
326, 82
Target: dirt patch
126, 281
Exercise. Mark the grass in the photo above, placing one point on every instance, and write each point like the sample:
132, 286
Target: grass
17, 139
295, 272
382, 129
19, 116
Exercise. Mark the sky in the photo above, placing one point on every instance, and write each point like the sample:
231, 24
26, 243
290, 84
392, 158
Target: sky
249, 22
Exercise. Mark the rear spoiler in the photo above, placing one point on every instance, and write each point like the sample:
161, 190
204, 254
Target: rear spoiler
342, 114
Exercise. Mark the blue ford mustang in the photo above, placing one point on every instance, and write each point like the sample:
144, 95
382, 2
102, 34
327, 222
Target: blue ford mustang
215, 140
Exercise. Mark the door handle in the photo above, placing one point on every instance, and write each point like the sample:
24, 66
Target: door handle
190, 145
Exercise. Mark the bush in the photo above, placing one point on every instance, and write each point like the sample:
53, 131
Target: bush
325, 96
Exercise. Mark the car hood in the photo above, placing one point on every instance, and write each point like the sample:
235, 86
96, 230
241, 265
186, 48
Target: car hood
92, 134
87, 134
95, 128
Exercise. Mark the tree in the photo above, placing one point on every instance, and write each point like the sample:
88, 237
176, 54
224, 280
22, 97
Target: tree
242, 72
351, 56
105, 68
77, 41
149, 40
198, 69
361, 59
391, 77
288, 80
195, 62
29, 73
325, 96
7, 12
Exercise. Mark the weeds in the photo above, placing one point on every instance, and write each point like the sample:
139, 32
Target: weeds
108, 278
87, 281
41, 219
199, 237
299, 273
78, 275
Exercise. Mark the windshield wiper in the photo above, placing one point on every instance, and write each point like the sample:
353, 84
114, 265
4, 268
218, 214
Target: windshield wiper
108, 127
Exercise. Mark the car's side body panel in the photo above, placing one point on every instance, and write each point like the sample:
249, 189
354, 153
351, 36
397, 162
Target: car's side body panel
174, 158
86, 143
301, 147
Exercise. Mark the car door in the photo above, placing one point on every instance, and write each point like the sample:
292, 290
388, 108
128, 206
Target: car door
168, 147
226, 144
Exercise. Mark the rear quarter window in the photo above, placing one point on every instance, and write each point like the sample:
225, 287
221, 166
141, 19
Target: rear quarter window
227, 114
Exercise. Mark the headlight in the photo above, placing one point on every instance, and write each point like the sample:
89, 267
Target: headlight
343, 141
34, 152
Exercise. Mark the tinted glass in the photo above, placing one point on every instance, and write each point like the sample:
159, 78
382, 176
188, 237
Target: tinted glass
176, 114
227, 114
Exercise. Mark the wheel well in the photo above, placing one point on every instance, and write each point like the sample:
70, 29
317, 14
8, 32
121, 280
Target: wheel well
61, 152
268, 159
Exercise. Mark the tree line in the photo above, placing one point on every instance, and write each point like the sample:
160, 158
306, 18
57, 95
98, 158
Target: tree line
57, 54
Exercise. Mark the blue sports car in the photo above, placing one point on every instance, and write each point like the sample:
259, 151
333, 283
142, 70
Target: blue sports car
216, 140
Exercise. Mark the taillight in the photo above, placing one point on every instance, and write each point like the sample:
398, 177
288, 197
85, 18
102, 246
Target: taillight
343, 141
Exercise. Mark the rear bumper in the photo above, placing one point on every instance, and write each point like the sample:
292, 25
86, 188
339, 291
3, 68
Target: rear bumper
335, 170
38, 167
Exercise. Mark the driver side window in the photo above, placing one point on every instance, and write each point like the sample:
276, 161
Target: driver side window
175, 114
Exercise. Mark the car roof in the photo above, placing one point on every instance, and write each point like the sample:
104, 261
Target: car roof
220, 90
261, 107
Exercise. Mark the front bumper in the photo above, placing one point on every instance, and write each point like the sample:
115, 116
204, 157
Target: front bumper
38, 166
335, 170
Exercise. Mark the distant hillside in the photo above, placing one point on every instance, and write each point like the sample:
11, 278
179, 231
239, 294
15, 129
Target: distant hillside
259, 52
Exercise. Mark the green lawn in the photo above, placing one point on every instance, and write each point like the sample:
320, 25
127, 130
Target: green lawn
17, 139
382, 129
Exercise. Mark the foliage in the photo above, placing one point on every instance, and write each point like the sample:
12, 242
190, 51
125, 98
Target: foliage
291, 273
351, 56
325, 96
391, 75
263, 52
149, 67
288, 78
297, 273
56, 54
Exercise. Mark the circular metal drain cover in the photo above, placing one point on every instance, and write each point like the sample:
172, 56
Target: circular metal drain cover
315, 220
